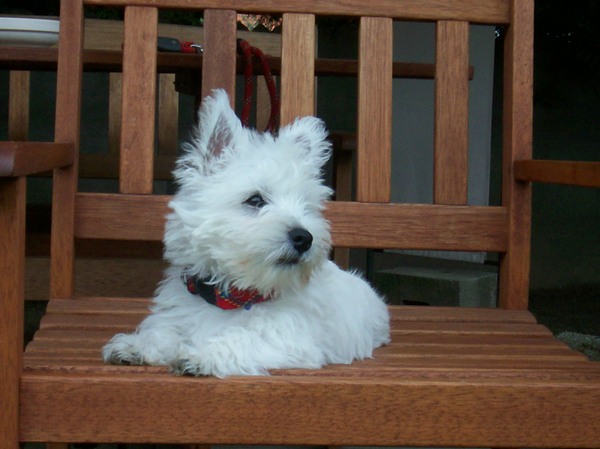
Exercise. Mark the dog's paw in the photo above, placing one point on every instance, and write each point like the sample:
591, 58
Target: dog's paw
185, 367
119, 352
125, 359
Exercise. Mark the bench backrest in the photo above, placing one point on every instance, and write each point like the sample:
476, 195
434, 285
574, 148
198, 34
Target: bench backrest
372, 220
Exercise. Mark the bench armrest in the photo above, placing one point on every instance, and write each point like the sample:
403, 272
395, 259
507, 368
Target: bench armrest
27, 158
585, 174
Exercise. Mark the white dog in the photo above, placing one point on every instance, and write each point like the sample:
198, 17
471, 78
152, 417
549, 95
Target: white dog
250, 287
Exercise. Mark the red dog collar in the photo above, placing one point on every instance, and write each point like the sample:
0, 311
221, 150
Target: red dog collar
233, 298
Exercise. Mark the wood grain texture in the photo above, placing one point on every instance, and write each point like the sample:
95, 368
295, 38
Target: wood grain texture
168, 116
27, 158
219, 52
124, 217
358, 225
487, 363
478, 11
451, 121
138, 107
414, 226
450, 377
67, 127
18, 105
574, 173
12, 278
374, 134
290, 410
297, 67
517, 144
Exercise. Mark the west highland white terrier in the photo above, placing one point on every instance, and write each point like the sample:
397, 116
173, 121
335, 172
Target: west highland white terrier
250, 287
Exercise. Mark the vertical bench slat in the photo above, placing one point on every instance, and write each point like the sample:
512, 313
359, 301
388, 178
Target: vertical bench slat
374, 140
18, 105
451, 113
297, 66
517, 144
115, 100
168, 114
219, 62
139, 92
64, 185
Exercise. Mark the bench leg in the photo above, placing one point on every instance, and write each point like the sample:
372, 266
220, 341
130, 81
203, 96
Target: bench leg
12, 267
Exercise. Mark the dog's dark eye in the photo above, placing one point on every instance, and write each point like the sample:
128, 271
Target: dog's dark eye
256, 201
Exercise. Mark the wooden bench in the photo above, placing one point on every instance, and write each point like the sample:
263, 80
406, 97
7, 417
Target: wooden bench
451, 376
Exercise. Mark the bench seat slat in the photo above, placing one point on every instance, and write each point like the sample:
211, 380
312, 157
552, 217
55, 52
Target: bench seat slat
291, 409
74, 331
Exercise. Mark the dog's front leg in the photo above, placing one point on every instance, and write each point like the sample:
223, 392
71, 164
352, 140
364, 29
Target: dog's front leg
250, 350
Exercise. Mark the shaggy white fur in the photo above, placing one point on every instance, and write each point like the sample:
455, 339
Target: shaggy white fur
241, 194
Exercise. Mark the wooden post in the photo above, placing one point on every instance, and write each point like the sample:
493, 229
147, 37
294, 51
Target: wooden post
517, 144
12, 267
68, 107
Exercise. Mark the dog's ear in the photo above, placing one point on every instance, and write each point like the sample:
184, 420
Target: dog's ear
310, 135
218, 126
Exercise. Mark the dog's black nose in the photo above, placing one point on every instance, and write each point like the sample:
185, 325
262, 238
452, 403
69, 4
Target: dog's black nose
301, 239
